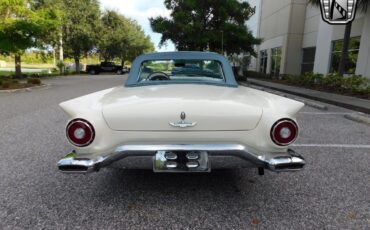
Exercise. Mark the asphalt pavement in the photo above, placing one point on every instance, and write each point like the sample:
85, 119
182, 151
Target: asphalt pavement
333, 192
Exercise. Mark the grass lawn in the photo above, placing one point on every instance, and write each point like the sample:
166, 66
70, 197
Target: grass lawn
5, 73
31, 66
10, 71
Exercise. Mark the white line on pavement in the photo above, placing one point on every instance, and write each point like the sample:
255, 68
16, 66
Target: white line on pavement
333, 146
332, 113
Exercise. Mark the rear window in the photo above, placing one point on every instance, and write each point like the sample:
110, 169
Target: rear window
181, 71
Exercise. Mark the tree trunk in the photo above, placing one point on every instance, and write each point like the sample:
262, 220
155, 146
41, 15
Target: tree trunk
344, 57
77, 63
61, 51
18, 68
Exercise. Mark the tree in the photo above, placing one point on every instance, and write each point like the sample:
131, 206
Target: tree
22, 27
53, 37
114, 31
122, 38
214, 25
81, 28
362, 6
138, 42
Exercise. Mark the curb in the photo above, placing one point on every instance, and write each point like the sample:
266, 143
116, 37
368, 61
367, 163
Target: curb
359, 118
307, 103
29, 89
314, 105
325, 100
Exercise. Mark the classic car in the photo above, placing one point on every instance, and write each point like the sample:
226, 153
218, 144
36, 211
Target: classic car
181, 112
106, 67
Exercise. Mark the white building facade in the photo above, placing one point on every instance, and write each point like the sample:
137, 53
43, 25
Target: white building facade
296, 39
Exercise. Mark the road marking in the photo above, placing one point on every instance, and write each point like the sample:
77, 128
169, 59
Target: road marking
333, 146
329, 113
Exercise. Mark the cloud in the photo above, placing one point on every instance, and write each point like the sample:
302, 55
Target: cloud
141, 11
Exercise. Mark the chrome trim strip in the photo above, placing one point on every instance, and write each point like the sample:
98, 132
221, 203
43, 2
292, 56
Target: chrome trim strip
183, 124
85, 163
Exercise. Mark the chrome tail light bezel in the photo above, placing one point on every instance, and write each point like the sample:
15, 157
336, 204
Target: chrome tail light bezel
294, 129
86, 126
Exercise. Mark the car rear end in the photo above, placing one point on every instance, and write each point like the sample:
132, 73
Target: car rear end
252, 126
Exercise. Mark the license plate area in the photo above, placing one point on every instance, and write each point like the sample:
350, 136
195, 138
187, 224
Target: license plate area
181, 161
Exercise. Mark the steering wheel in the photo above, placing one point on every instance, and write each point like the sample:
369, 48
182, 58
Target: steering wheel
158, 76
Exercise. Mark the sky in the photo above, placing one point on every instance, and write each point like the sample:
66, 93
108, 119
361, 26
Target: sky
141, 10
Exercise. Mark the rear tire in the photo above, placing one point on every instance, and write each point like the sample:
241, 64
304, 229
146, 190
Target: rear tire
92, 72
119, 72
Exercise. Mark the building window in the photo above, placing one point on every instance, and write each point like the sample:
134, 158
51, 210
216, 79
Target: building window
263, 61
275, 61
353, 50
308, 60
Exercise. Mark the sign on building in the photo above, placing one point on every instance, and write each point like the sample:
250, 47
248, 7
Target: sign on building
338, 12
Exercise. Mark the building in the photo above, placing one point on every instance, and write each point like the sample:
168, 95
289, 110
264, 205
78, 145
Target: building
296, 39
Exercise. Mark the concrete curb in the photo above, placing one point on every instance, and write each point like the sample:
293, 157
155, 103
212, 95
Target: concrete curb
314, 105
362, 118
312, 97
308, 103
29, 89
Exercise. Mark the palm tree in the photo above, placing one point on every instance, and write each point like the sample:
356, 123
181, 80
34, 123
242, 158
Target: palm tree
362, 6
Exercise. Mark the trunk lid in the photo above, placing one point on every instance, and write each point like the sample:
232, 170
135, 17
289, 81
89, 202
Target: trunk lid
208, 108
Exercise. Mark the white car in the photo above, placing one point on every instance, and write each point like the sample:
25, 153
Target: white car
181, 111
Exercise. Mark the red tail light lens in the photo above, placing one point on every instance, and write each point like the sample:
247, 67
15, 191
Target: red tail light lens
284, 132
80, 132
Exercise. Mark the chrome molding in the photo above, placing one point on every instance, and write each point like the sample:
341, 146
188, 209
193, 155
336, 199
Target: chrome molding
278, 162
183, 124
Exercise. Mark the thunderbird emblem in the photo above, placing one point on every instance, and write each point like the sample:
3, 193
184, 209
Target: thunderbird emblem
183, 123
338, 11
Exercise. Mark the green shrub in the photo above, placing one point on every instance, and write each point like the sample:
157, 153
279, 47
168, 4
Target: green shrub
61, 66
66, 72
293, 79
14, 81
240, 78
333, 81
356, 84
34, 81
308, 79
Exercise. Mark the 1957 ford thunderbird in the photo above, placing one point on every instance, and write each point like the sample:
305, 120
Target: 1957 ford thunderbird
181, 111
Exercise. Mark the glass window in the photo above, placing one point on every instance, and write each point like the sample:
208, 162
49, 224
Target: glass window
353, 50
263, 61
308, 60
181, 70
275, 61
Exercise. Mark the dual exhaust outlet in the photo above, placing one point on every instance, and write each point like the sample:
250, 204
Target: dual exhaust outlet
172, 160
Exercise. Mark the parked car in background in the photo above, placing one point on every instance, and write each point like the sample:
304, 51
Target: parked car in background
106, 67
181, 112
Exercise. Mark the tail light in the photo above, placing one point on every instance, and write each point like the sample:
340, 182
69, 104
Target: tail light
284, 132
80, 132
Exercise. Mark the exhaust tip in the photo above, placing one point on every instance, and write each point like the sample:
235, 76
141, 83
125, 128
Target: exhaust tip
294, 162
73, 168
289, 167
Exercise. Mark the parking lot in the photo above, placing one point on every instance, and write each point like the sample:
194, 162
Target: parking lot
331, 193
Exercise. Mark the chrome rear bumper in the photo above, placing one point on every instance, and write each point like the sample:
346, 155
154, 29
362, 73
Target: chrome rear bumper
278, 162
